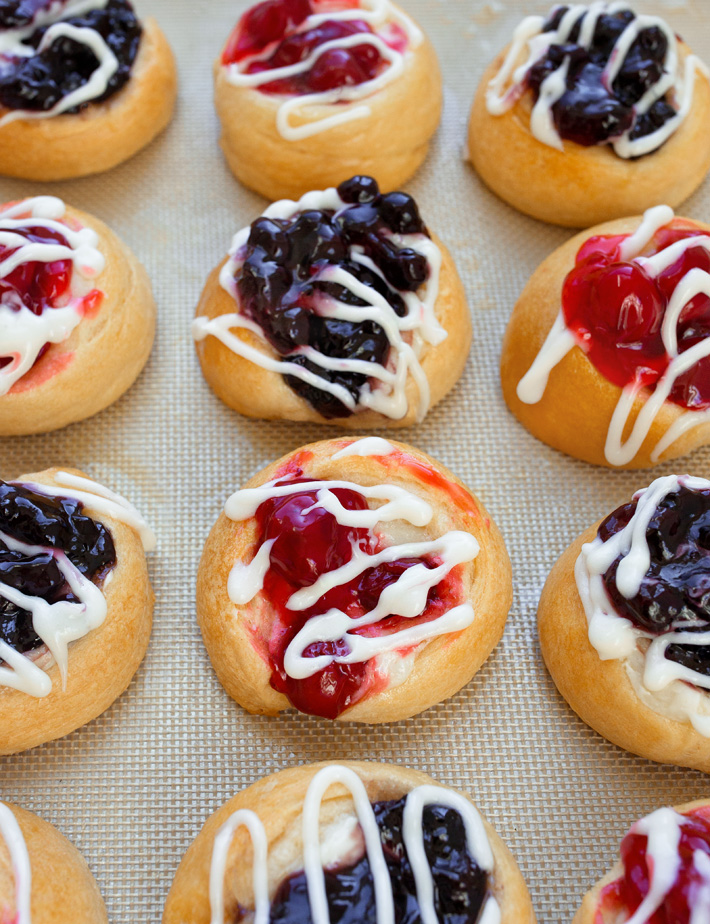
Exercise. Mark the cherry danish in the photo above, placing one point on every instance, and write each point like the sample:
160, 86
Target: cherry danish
338, 617
662, 873
625, 334
77, 316
328, 89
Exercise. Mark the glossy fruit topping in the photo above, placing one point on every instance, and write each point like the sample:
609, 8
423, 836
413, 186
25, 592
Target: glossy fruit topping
310, 542
278, 33
460, 886
51, 524
676, 588
625, 895
39, 81
616, 310
590, 111
279, 285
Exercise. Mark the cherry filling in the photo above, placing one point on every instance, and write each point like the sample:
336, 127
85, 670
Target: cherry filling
309, 543
676, 588
628, 892
276, 31
280, 288
52, 523
40, 81
460, 885
590, 112
616, 311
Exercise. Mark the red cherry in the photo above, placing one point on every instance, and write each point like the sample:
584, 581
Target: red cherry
335, 68
264, 23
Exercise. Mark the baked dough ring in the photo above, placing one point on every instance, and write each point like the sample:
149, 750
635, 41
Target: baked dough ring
107, 351
390, 144
600, 692
64, 890
102, 135
576, 408
278, 801
441, 668
582, 186
102, 663
589, 912
256, 392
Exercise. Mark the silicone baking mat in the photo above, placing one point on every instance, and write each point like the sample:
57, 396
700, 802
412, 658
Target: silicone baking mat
133, 788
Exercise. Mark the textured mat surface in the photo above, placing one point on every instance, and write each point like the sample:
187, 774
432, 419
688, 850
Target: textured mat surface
133, 788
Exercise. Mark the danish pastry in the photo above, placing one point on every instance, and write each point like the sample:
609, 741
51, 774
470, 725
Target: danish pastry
75, 604
592, 113
83, 87
662, 874
606, 353
624, 623
77, 316
43, 878
348, 842
310, 92
339, 308
353, 579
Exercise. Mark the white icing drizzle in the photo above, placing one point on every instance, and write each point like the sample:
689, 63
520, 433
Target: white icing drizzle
65, 621
407, 335
406, 597
12, 45
412, 833
20, 860
370, 446
616, 638
509, 84
378, 14
23, 333
561, 340
260, 878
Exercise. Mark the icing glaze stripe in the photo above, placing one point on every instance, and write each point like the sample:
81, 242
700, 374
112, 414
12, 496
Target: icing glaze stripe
20, 860
476, 842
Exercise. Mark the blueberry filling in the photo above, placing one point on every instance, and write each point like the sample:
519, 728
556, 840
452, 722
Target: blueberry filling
589, 112
460, 885
676, 587
52, 523
280, 289
38, 82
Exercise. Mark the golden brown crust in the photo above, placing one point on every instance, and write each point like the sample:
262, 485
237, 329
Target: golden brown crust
104, 134
576, 409
102, 357
257, 392
278, 801
600, 692
390, 144
441, 668
102, 664
587, 914
64, 890
584, 186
